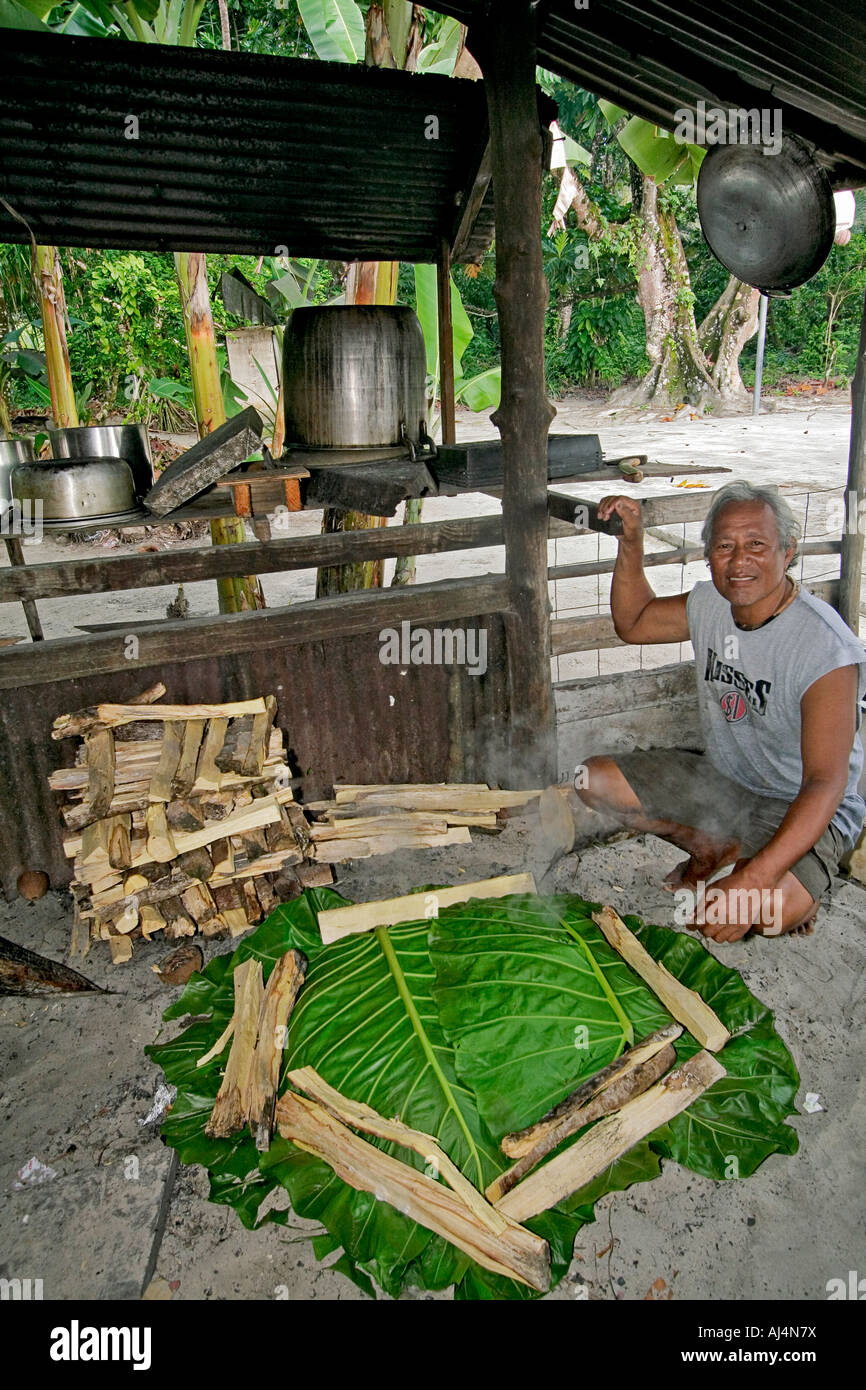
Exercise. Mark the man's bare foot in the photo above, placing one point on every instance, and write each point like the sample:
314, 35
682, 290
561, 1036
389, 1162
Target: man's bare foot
700, 867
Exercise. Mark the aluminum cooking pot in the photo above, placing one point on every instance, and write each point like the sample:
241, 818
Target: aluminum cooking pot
128, 442
12, 451
769, 218
354, 376
73, 490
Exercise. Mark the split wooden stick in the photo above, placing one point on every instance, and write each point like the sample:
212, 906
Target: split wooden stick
516, 1254
613, 1097
284, 983
520, 1143
685, 1004
612, 1137
166, 769
364, 1117
229, 1112
219, 1044
346, 921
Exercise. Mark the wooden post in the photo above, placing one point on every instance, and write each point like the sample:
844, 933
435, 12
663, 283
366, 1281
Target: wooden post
524, 415
16, 557
855, 494
446, 346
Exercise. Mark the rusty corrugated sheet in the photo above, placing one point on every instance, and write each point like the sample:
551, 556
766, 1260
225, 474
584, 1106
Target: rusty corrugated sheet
335, 705
654, 56
232, 151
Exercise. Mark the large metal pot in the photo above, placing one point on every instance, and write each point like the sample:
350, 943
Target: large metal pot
769, 218
12, 451
79, 490
354, 376
127, 442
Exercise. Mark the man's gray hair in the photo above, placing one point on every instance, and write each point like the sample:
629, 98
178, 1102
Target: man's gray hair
786, 523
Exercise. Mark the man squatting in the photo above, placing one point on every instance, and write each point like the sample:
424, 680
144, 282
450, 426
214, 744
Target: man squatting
780, 680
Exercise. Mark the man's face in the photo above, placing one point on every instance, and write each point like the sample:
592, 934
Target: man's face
747, 562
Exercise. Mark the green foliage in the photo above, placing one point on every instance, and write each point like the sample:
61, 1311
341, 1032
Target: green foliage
466, 1030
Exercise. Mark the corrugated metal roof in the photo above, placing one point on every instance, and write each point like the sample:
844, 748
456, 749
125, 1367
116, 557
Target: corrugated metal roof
232, 151
653, 57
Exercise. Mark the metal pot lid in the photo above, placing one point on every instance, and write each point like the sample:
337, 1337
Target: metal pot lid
769, 218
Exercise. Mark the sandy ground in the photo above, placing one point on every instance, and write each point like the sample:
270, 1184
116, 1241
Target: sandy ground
76, 1088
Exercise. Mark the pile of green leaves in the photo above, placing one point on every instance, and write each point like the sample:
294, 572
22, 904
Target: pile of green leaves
467, 1026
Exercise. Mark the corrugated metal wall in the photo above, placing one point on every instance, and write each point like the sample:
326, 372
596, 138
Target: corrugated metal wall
347, 717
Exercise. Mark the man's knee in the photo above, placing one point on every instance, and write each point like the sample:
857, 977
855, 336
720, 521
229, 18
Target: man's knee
595, 782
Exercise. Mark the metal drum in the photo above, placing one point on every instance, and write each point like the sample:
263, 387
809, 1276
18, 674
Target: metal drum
73, 491
12, 451
354, 376
127, 442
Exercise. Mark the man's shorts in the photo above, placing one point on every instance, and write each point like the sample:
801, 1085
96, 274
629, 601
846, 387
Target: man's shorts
672, 785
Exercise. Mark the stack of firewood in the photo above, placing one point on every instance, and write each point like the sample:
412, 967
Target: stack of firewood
179, 818
363, 820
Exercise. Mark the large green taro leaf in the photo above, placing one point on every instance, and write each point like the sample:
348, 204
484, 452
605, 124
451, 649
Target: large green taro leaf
511, 981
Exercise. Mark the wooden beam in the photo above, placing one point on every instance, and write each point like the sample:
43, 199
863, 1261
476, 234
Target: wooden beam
471, 205
590, 634
524, 415
232, 633
103, 574
855, 494
685, 1004
446, 346
679, 555
692, 505
16, 560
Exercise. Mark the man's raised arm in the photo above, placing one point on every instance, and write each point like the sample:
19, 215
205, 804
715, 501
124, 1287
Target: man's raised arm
638, 615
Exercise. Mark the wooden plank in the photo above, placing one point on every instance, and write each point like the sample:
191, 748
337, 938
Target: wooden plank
678, 555
471, 204
337, 922
233, 633
209, 459
15, 551
612, 1137
446, 345
525, 413
583, 634
685, 1004
517, 1254
229, 1111
855, 493
690, 505
104, 574
281, 991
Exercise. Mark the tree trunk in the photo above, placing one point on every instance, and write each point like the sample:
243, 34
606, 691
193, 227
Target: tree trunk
678, 370
727, 328
236, 594
48, 274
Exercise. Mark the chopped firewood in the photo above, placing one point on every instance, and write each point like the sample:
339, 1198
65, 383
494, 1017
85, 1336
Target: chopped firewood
218, 805
24, 972
127, 920
522, 1142
185, 815
516, 1254
685, 1004
231, 907
352, 791
253, 843
612, 1137
177, 967
286, 884
197, 863
259, 739
266, 896
108, 716
236, 745
152, 920
177, 920
281, 836
219, 1044
314, 875
387, 912
106, 842
252, 906
364, 827
284, 983
301, 827
207, 774
184, 775
223, 857
85, 721
228, 1114
362, 1116
160, 841
79, 940
166, 770
121, 949
442, 797
613, 1097
199, 903
337, 851
141, 878
99, 756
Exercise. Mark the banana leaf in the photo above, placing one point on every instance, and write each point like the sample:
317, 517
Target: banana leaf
392, 1021
335, 29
